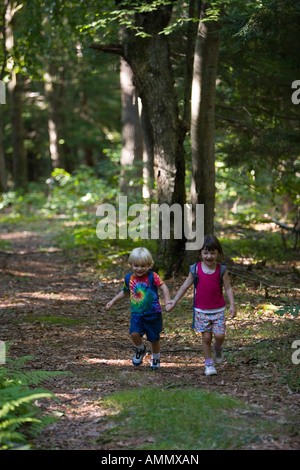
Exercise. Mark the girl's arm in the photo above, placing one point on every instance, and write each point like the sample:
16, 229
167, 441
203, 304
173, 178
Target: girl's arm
120, 296
181, 291
229, 294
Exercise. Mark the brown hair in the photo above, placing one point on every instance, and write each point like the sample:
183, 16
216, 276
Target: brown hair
212, 243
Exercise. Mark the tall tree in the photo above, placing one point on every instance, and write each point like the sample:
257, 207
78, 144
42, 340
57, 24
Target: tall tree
132, 141
15, 89
149, 58
203, 116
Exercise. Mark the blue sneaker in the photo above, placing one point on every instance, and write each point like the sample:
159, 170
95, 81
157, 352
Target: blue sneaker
155, 364
139, 356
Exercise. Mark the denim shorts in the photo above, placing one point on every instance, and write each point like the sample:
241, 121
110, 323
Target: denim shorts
150, 324
214, 323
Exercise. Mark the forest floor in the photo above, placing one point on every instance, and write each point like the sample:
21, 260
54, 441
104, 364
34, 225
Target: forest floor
53, 309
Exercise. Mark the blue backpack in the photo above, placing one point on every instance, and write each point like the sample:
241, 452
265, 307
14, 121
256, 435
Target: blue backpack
193, 269
150, 278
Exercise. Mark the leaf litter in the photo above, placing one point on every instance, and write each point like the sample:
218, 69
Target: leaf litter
53, 309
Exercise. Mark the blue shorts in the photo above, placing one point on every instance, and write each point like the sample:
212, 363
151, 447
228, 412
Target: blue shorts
151, 325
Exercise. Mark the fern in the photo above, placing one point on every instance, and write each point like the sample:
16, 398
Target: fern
20, 417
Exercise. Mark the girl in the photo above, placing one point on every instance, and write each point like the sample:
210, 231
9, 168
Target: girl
141, 285
209, 302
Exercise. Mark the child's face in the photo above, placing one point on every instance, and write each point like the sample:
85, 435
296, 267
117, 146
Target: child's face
209, 256
140, 269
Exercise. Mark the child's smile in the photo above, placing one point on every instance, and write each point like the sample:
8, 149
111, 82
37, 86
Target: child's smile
209, 257
140, 271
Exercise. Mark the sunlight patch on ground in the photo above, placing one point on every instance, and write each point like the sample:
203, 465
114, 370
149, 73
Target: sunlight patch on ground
126, 362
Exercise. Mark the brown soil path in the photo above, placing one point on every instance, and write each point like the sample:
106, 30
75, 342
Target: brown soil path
39, 281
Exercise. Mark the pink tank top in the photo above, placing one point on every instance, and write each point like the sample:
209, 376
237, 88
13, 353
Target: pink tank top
208, 291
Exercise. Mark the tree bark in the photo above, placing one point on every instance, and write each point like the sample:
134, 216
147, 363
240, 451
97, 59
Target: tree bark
203, 117
132, 139
54, 91
3, 183
15, 96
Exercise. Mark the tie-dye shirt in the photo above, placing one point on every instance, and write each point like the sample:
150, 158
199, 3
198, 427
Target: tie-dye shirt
144, 300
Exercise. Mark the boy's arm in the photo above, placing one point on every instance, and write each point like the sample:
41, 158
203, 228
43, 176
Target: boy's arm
166, 293
120, 296
229, 294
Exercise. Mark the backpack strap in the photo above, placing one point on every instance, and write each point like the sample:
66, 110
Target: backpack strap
222, 271
150, 278
127, 278
151, 281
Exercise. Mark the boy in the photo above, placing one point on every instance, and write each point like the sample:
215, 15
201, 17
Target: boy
141, 285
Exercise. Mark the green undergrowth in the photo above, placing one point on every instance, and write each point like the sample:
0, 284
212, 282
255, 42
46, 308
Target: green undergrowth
177, 419
21, 419
52, 320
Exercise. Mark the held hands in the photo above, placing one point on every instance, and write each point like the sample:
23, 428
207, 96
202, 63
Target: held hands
170, 305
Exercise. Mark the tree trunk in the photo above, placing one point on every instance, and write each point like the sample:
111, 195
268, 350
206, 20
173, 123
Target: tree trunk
54, 91
15, 100
150, 62
203, 117
17, 133
148, 157
132, 140
3, 184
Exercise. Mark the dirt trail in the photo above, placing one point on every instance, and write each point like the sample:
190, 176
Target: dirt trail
40, 285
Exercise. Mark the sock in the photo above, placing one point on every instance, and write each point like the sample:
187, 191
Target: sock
217, 347
155, 355
140, 347
209, 362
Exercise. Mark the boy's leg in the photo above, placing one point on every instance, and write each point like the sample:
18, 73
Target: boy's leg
155, 358
137, 339
136, 333
155, 347
153, 327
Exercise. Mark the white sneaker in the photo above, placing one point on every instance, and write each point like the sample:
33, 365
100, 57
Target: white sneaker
210, 370
139, 356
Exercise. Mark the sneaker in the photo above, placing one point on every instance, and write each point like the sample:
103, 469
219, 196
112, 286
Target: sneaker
210, 370
139, 356
155, 364
218, 355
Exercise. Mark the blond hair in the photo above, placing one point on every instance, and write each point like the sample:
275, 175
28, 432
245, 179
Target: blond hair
141, 256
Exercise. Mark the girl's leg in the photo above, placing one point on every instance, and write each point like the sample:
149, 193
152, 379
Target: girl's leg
219, 340
206, 344
218, 350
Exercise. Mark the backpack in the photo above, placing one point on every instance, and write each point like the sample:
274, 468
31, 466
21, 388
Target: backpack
150, 278
193, 269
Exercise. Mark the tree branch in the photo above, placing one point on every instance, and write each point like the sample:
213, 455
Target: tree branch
109, 48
